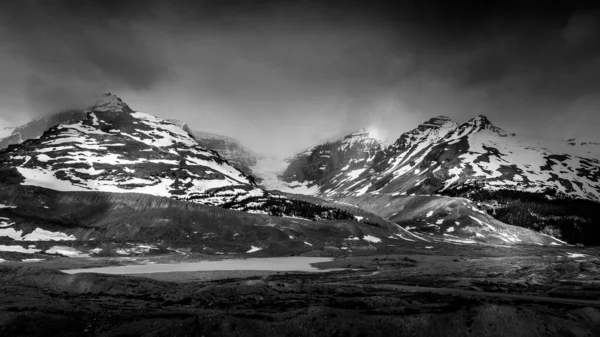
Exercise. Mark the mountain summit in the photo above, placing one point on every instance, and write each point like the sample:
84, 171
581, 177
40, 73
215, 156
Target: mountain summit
332, 161
110, 102
116, 149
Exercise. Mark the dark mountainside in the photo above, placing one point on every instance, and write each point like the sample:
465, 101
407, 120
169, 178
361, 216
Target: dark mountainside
112, 220
323, 163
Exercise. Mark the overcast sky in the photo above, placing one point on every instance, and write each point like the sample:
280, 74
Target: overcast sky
282, 75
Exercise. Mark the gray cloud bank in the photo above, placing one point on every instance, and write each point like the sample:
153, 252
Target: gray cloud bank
282, 75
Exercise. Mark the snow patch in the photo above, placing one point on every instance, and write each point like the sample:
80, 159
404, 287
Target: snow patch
65, 251
253, 249
18, 249
370, 238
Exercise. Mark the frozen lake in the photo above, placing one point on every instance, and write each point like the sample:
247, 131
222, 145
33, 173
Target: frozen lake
295, 263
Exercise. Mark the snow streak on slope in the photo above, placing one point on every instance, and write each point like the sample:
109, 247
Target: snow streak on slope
449, 219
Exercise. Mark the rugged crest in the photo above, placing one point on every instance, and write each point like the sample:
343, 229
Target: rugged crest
333, 161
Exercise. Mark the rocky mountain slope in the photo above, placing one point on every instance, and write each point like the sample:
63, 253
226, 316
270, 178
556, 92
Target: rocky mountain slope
332, 162
441, 155
480, 161
448, 219
36, 222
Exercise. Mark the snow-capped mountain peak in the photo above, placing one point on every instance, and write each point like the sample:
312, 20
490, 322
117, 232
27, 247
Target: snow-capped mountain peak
367, 136
440, 155
332, 161
437, 122
115, 149
430, 131
478, 124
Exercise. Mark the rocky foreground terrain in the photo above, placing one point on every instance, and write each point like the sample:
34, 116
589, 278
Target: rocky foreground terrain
446, 290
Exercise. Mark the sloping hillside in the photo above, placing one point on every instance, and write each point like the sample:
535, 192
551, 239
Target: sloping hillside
35, 219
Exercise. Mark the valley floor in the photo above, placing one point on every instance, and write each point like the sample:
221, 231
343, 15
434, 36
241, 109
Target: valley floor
448, 290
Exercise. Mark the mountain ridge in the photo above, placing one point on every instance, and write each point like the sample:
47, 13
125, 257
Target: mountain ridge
464, 160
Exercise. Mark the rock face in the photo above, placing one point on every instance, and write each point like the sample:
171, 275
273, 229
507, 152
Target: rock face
331, 162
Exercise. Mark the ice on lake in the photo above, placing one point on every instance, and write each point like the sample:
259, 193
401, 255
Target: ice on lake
296, 263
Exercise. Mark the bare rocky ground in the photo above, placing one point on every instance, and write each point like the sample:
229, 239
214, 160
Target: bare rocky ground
447, 290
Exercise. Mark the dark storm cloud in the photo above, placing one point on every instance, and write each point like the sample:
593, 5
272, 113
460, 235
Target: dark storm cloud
71, 49
97, 40
298, 71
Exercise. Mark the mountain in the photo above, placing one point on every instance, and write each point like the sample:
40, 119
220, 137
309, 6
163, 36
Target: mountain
230, 149
333, 161
116, 149
488, 165
441, 156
